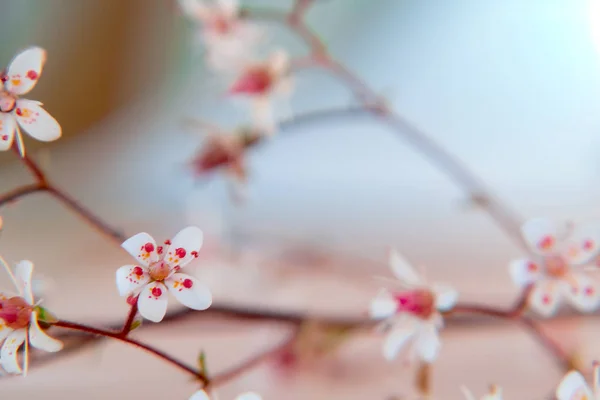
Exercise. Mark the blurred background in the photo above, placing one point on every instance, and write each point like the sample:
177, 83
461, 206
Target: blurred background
510, 88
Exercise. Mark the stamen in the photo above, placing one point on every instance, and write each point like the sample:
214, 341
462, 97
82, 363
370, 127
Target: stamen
26, 354
20, 143
9, 272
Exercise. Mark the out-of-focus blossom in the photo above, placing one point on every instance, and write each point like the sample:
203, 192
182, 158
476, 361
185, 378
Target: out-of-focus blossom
202, 395
552, 269
19, 322
495, 393
158, 272
230, 40
262, 82
227, 151
574, 387
413, 314
18, 79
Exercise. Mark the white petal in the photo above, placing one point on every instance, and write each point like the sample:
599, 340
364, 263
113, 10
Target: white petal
184, 247
24, 70
445, 297
524, 272
153, 302
36, 121
583, 293
189, 291
402, 269
9, 351
546, 296
200, 395
23, 273
541, 234
583, 246
229, 8
142, 247
262, 114
468, 394
427, 342
573, 386
4, 330
248, 396
39, 339
129, 279
195, 9
396, 340
383, 306
7, 130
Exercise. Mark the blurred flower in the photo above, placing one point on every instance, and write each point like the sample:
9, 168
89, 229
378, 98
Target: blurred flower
495, 393
222, 150
574, 387
202, 395
19, 322
159, 271
262, 82
20, 77
230, 41
550, 271
413, 314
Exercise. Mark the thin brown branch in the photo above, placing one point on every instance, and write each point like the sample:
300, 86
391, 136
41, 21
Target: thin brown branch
22, 191
130, 318
113, 335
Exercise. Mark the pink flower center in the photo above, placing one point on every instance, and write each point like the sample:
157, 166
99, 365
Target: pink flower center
556, 266
16, 312
159, 271
420, 303
7, 102
221, 25
256, 80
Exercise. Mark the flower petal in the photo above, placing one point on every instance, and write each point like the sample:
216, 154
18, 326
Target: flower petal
24, 70
427, 342
524, 272
396, 340
573, 386
195, 9
189, 291
142, 247
39, 339
445, 297
541, 234
131, 278
583, 246
9, 351
4, 330
200, 395
23, 273
153, 302
7, 130
583, 293
546, 296
383, 306
279, 63
36, 121
402, 269
248, 396
184, 247
229, 8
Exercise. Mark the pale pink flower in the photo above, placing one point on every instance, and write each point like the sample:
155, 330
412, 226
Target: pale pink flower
552, 269
574, 387
495, 393
413, 314
262, 82
20, 77
19, 317
158, 273
202, 395
230, 40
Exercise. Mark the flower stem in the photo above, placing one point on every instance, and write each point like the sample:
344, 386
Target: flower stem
118, 336
127, 326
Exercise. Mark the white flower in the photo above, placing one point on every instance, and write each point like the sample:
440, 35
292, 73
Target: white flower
158, 272
495, 393
20, 77
230, 41
574, 387
202, 395
262, 82
19, 322
551, 270
412, 314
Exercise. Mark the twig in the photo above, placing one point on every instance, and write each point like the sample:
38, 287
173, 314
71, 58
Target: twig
130, 318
